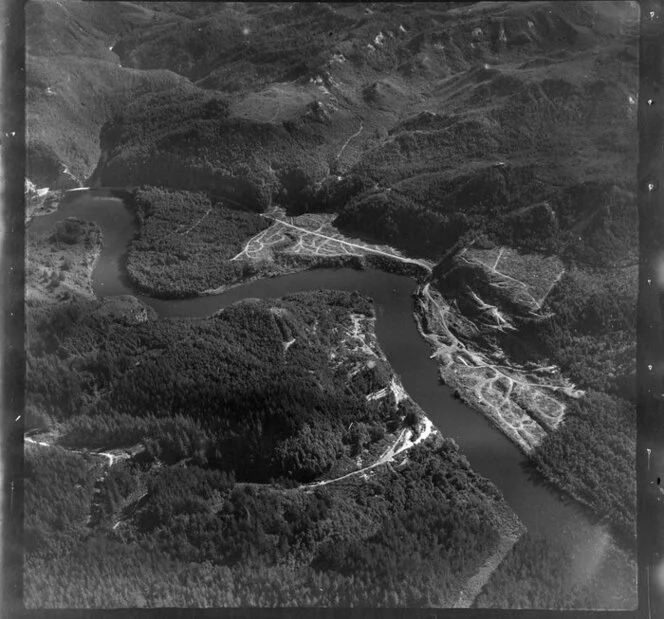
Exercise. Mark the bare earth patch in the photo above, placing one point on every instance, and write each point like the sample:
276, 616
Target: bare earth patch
525, 403
531, 277
312, 235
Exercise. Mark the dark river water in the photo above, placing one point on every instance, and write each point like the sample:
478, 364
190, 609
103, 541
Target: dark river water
543, 510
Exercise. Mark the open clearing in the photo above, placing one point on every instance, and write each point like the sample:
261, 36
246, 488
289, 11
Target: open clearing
531, 276
524, 404
313, 235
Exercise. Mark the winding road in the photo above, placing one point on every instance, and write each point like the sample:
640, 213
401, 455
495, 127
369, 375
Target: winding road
403, 443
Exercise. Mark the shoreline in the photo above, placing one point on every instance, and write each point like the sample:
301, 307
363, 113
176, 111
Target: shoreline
461, 390
39, 206
551, 479
501, 517
527, 428
505, 520
284, 263
394, 265
299, 264
92, 264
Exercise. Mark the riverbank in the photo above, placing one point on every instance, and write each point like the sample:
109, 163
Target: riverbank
285, 265
290, 249
522, 405
289, 264
487, 383
421, 489
425, 435
489, 452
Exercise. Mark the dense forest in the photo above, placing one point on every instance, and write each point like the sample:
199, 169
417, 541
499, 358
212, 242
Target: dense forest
523, 170
590, 224
58, 494
188, 141
587, 327
534, 575
231, 424
537, 574
592, 333
185, 242
593, 456
431, 127
74, 84
166, 383
408, 537
592, 337
212, 47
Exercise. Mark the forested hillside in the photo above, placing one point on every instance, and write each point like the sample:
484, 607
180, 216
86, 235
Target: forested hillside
232, 423
185, 242
200, 539
192, 144
537, 575
411, 105
582, 318
75, 83
268, 455
414, 85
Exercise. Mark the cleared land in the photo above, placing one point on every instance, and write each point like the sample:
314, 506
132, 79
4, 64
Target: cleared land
312, 235
524, 403
530, 276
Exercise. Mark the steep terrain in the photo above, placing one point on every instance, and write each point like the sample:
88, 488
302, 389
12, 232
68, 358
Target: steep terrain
75, 83
488, 148
279, 461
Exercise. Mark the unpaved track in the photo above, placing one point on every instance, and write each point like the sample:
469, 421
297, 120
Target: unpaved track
348, 141
112, 458
349, 244
274, 116
504, 408
494, 269
275, 235
188, 230
402, 443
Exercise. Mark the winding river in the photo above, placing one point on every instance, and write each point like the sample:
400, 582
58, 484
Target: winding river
544, 511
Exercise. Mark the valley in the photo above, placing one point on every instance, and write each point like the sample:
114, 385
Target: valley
374, 450
330, 304
355, 342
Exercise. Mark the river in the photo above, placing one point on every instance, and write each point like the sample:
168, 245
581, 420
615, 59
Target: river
543, 510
